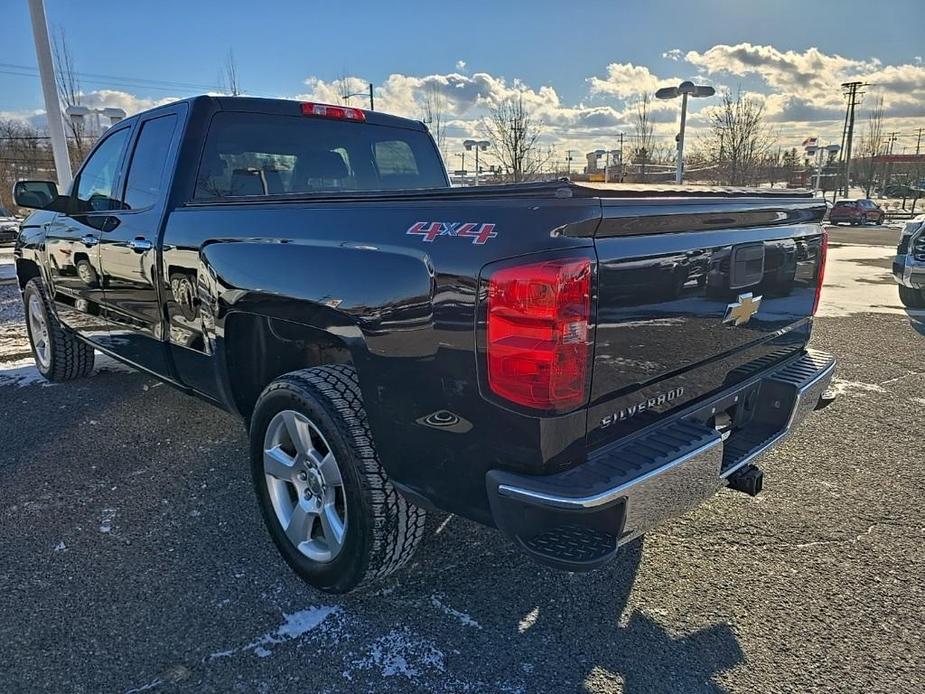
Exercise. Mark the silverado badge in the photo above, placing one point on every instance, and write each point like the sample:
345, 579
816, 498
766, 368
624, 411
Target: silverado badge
742, 309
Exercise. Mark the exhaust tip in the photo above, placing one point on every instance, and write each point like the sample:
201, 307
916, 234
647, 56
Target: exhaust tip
749, 479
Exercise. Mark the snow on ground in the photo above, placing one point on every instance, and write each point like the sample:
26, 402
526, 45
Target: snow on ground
22, 372
294, 626
7, 265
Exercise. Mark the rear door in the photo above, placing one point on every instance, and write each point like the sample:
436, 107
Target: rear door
72, 239
128, 251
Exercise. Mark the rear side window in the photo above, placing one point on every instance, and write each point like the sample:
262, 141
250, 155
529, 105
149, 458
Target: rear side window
262, 154
145, 182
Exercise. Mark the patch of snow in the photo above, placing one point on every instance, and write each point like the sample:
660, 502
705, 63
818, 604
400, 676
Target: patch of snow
841, 387
295, 625
399, 654
461, 616
106, 519
529, 620
146, 687
20, 373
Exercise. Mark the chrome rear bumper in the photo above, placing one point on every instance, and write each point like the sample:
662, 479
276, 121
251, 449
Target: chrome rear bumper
577, 518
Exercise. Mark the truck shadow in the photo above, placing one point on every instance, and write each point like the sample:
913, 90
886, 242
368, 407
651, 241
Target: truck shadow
502, 622
588, 621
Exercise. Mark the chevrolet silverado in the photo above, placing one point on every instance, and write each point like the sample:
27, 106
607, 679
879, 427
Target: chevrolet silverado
569, 363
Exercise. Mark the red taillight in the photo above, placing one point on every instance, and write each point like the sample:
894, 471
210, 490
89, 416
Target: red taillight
538, 333
823, 252
328, 111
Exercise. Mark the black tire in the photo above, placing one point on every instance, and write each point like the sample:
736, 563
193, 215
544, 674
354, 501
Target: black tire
912, 298
383, 528
68, 356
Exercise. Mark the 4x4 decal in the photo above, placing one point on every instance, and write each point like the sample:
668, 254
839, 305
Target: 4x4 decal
477, 231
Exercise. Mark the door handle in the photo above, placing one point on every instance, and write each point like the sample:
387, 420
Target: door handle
140, 245
89, 240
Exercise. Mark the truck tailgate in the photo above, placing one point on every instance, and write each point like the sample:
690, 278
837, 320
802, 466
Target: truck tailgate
693, 297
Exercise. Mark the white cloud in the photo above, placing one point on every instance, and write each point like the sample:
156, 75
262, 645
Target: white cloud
627, 80
800, 91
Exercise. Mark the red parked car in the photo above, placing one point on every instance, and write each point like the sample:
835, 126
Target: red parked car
856, 212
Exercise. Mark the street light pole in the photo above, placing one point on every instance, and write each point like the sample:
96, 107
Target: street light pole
683, 90
372, 105
679, 171
50, 93
476, 145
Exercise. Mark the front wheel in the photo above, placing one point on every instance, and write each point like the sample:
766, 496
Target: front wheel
59, 355
330, 508
912, 298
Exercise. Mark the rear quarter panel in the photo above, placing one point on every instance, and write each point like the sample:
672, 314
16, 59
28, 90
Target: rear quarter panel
404, 305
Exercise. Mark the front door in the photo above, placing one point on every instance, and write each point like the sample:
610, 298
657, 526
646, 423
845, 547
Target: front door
72, 238
128, 251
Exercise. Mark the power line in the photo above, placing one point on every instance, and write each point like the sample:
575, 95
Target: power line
98, 78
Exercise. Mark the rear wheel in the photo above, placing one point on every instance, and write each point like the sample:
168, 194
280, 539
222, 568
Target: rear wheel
330, 508
59, 354
912, 298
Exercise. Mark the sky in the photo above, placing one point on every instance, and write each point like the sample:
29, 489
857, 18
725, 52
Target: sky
580, 66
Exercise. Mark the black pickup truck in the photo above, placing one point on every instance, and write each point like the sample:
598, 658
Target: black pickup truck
570, 363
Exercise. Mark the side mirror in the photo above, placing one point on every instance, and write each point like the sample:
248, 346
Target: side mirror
35, 195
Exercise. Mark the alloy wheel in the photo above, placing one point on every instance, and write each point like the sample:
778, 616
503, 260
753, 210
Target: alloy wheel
305, 486
38, 329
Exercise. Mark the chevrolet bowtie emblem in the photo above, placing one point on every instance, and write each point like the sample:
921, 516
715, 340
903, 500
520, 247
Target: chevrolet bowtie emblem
742, 309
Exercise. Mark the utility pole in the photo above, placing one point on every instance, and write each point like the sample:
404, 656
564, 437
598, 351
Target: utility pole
918, 141
568, 162
50, 92
622, 158
852, 92
372, 104
887, 178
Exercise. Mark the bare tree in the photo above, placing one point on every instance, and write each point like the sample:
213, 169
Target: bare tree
513, 134
228, 78
738, 140
434, 115
70, 93
24, 153
871, 145
643, 134
343, 89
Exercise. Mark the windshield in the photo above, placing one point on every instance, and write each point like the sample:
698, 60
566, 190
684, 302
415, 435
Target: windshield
262, 154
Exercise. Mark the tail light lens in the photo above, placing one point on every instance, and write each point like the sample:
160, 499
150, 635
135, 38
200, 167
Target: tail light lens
538, 333
820, 274
329, 111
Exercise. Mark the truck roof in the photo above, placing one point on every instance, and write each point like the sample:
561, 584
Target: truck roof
283, 107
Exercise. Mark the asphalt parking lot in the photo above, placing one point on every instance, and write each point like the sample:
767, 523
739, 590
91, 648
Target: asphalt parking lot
133, 558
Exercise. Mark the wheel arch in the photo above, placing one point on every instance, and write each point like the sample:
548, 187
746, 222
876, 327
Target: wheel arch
258, 348
26, 270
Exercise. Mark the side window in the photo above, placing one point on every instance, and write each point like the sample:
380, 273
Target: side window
98, 176
395, 158
145, 182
